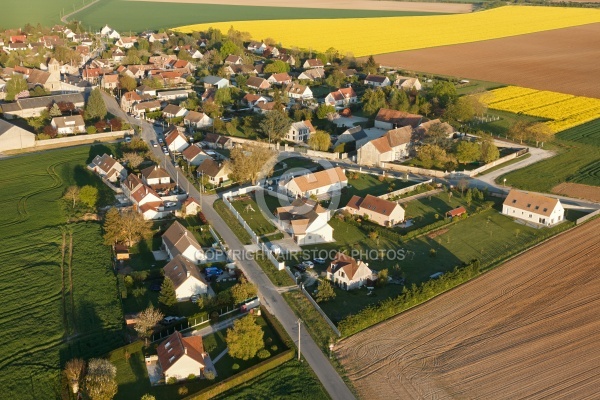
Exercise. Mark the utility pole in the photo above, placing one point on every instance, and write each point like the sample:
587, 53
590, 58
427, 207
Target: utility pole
299, 344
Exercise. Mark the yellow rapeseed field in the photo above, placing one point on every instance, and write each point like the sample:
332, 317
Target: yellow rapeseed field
365, 36
563, 111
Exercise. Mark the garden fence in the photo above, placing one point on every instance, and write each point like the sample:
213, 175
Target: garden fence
325, 317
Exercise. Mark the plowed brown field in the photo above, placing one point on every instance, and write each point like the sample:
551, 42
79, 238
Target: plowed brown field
578, 191
562, 60
529, 329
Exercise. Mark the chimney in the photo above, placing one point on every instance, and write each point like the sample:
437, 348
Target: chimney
187, 273
185, 349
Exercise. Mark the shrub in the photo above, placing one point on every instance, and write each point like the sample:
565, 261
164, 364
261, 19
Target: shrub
182, 391
235, 366
209, 374
139, 291
171, 381
191, 377
274, 348
91, 130
263, 354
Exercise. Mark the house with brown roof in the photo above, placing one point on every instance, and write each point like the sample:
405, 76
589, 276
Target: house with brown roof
128, 100
158, 37
33, 106
286, 58
256, 47
174, 111
145, 199
232, 59
244, 69
190, 206
312, 74
251, 100
297, 91
194, 154
186, 278
177, 240
263, 108
533, 207
456, 212
197, 120
300, 131
348, 273
216, 171
392, 146
423, 129
380, 211
341, 98
179, 357
69, 125
157, 177
282, 78
140, 109
110, 81
391, 119
327, 182
306, 221
313, 63
215, 141
407, 83
257, 83
209, 95
377, 80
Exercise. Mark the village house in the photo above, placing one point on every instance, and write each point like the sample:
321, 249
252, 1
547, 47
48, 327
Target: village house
356, 135
392, 146
108, 168
175, 140
306, 221
215, 82
179, 241
128, 100
348, 273
158, 37
109, 82
312, 74
377, 210
145, 199
194, 154
297, 91
157, 178
257, 83
173, 111
191, 207
197, 120
234, 69
300, 131
179, 357
186, 278
146, 90
377, 80
349, 73
263, 108
232, 59
215, 141
12, 137
251, 100
286, 58
32, 106
217, 172
209, 95
68, 125
126, 42
341, 98
456, 212
282, 78
256, 47
313, 63
533, 207
327, 182
169, 95
140, 109
407, 83
391, 119
423, 129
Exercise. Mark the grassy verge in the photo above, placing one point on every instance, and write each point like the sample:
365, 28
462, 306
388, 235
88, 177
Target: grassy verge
320, 330
232, 222
279, 278
506, 164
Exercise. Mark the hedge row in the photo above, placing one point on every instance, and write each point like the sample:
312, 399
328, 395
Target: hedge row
243, 377
277, 327
411, 297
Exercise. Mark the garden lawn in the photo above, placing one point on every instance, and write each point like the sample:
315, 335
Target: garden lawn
232, 222
278, 278
318, 328
39, 330
370, 184
252, 214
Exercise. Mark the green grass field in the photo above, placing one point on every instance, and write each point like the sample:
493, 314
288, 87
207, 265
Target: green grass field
253, 216
370, 184
43, 323
16, 13
577, 161
138, 16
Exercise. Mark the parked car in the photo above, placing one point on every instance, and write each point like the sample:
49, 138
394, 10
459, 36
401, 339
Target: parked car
194, 298
128, 139
170, 204
169, 320
160, 141
319, 260
308, 264
153, 143
213, 272
155, 287
300, 267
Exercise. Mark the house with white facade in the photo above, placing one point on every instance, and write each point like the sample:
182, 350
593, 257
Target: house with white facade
215, 82
194, 154
186, 278
177, 240
348, 273
392, 146
107, 167
145, 199
407, 83
391, 119
533, 207
12, 137
197, 120
68, 125
297, 91
173, 111
313, 63
312, 74
179, 357
282, 78
380, 211
157, 178
377, 80
257, 83
217, 172
327, 182
341, 98
306, 221
300, 131
175, 140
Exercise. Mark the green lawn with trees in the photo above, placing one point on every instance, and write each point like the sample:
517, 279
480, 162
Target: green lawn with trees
55, 307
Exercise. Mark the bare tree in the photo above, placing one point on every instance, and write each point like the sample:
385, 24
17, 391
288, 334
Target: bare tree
146, 321
462, 185
72, 193
74, 371
134, 159
100, 381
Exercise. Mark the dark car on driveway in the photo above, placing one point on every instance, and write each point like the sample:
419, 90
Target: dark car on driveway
300, 267
155, 287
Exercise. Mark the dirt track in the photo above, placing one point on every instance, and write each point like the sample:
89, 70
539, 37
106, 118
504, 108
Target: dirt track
529, 329
450, 8
562, 60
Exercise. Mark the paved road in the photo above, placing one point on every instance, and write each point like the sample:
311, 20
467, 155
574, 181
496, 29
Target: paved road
268, 293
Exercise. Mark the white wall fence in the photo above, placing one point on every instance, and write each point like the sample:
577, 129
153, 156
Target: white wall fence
79, 138
499, 161
587, 217
325, 317
402, 191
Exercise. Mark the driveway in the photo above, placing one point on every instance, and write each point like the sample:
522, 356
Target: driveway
349, 121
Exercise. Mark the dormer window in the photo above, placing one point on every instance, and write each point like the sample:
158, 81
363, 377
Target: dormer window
168, 344
514, 201
171, 359
528, 205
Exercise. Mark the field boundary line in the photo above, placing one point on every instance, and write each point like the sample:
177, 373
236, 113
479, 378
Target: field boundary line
65, 18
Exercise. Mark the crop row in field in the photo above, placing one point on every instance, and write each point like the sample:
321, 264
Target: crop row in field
385, 35
53, 308
563, 111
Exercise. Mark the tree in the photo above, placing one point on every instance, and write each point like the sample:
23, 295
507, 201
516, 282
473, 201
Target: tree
127, 83
128, 227
335, 79
462, 185
469, 197
277, 66
148, 396
228, 48
100, 382
371, 66
72, 195
467, 152
382, 277
243, 290
250, 163
540, 132
154, 83
209, 374
14, 86
95, 107
74, 371
275, 125
320, 140
133, 159
432, 155
324, 110
146, 321
88, 195
373, 100
54, 111
245, 339
437, 135
489, 151
461, 110
444, 92
325, 291
167, 296
223, 96
519, 131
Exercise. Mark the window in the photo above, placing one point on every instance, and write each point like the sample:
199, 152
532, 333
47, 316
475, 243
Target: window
168, 344
171, 359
